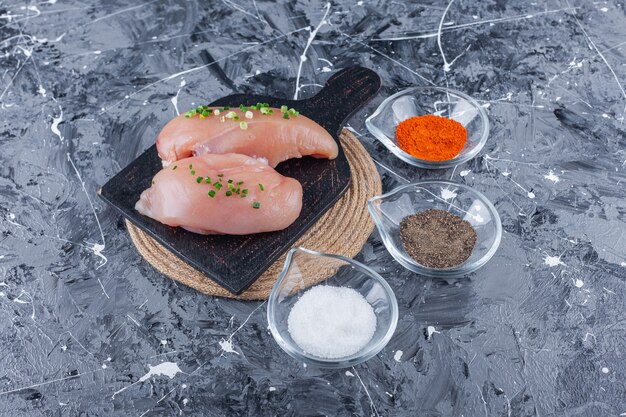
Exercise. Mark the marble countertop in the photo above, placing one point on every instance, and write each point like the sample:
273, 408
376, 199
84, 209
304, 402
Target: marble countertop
87, 327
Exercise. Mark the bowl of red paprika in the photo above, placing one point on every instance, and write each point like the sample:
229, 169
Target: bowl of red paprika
430, 127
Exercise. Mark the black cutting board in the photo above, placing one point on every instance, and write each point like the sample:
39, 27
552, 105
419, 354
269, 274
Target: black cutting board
235, 262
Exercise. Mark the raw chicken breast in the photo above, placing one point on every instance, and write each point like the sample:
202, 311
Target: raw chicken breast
269, 136
242, 195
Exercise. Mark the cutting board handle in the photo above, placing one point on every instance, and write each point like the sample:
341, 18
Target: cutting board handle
344, 93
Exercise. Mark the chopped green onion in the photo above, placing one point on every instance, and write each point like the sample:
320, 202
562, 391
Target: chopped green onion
261, 187
230, 181
226, 108
205, 113
253, 107
211, 193
256, 205
231, 187
193, 172
174, 168
249, 115
244, 191
243, 108
235, 117
208, 180
220, 175
199, 180
190, 166
243, 125
284, 108
217, 185
293, 112
188, 114
229, 193
216, 112
285, 115
240, 182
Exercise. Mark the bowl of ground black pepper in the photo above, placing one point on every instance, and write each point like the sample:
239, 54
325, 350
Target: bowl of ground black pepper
437, 228
430, 127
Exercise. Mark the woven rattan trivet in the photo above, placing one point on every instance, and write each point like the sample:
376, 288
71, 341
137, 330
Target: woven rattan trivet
343, 230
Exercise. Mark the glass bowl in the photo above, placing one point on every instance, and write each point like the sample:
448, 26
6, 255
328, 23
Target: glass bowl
439, 101
389, 209
303, 265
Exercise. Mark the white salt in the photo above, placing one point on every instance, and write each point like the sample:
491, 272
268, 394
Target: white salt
331, 322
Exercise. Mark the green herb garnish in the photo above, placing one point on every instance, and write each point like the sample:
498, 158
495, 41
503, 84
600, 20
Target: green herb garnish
212, 194
217, 185
261, 187
199, 180
229, 193
284, 108
256, 205
174, 168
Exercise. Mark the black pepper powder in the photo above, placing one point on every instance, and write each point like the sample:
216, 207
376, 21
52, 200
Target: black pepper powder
437, 238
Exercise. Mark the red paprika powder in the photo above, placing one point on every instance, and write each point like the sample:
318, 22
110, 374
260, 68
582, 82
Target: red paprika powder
431, 138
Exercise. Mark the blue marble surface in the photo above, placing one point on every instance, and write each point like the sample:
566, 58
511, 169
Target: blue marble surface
87, 327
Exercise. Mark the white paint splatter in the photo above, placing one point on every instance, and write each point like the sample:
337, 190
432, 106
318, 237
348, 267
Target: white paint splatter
447, 194
164, 342
553, 261
446, 64
398, 355
169, 369
551, 176
604, 9
227, 346
465, 172
96, 248
55, 125
531, 195
605, 370
175, 102
272, 389
303, 57
183, 83
578, 283
104, 366
623, 264
430, 330
97, 52
326, 69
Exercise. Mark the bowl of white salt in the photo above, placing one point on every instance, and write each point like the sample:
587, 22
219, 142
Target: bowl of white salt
345, 319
